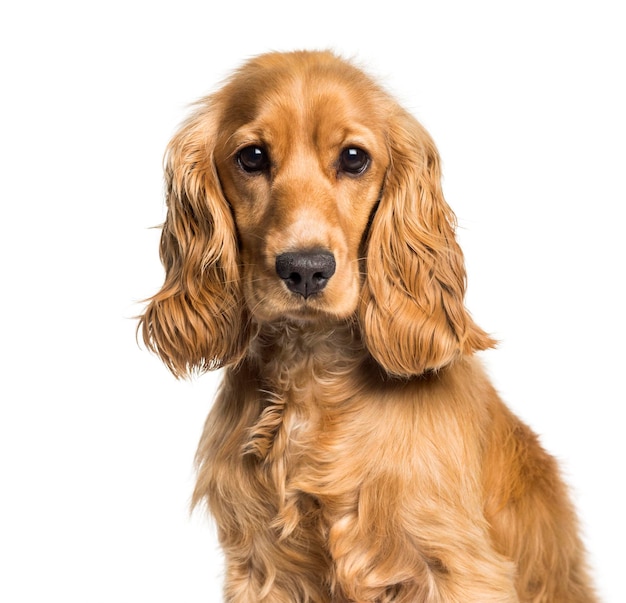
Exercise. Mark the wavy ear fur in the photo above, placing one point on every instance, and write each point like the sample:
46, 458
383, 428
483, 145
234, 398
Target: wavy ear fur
412, 312
197, 320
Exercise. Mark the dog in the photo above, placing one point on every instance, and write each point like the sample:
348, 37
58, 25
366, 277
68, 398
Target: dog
356, 451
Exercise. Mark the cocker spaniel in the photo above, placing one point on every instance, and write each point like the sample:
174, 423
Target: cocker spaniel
356, 451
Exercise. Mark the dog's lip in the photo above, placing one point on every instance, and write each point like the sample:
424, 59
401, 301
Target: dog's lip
310, 309
314, 310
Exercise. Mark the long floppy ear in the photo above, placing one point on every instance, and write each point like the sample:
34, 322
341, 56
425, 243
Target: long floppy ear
412, 312
197, 321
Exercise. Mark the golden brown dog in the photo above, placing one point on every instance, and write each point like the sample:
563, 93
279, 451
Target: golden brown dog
356, 451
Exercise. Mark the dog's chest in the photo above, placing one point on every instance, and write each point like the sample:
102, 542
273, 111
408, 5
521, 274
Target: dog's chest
313, 453
292, 425
295, 466
307, 431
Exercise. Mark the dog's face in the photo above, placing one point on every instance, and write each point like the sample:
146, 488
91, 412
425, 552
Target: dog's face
302, 166
302, 191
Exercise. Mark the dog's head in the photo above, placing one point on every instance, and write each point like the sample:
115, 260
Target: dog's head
301, 191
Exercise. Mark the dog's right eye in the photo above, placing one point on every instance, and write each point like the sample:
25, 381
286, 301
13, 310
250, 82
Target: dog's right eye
253, 159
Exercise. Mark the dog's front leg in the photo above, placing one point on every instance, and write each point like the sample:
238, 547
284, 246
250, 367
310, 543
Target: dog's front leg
264, 568
275, 553
401, 552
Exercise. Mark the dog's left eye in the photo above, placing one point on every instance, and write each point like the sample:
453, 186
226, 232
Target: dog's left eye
353, 160
253, 159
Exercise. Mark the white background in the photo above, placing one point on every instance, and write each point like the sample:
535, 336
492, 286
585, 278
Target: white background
526, 102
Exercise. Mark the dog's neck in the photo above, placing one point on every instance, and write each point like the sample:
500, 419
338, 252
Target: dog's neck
292, 348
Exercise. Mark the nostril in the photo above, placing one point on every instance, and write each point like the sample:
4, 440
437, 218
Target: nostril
295, 277
305, 272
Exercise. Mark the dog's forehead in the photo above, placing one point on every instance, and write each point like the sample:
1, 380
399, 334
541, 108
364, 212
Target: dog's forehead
285, 91
314, 102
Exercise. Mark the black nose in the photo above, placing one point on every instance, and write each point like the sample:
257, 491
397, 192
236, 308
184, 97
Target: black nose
305, 272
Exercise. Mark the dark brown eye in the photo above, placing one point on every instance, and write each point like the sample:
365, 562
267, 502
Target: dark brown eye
253, 159
353, 160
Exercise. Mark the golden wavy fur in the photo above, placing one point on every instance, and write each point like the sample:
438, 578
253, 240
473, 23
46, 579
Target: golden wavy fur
356, 451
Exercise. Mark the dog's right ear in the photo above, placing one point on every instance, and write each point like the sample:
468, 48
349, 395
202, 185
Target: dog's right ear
197, 321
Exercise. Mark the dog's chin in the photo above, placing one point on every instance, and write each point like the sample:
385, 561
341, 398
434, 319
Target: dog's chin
313, 310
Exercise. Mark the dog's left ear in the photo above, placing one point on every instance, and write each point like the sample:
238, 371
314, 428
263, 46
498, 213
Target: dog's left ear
412, 313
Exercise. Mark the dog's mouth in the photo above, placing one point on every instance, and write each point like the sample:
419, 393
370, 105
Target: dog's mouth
305, 303
312, 306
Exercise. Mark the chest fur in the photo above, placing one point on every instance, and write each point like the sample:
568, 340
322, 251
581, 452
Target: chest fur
308, 402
